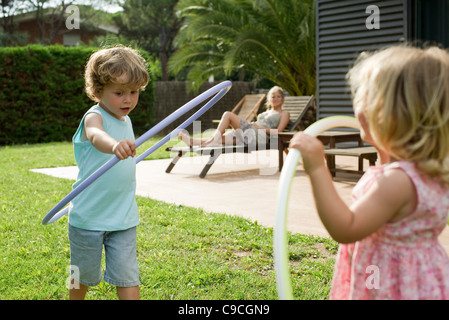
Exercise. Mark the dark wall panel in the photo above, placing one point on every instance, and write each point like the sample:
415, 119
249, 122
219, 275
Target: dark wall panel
342, 33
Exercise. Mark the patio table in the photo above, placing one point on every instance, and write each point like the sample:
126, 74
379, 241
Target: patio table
328, 138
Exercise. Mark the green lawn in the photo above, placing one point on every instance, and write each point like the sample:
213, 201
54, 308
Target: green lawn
183, 252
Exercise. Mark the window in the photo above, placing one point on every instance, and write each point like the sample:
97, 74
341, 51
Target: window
71, 39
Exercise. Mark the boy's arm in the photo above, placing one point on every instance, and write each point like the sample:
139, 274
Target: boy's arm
93, 126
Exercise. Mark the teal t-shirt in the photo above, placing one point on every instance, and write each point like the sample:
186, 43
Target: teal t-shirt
109, 203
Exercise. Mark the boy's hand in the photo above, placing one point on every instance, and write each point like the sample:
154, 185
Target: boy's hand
312, 151
124, 149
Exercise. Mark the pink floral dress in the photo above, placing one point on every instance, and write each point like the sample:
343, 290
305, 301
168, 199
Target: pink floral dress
403, 259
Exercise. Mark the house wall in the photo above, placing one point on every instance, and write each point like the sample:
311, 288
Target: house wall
32, 28
344, 29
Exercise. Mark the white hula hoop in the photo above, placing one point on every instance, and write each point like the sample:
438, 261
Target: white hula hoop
280, 247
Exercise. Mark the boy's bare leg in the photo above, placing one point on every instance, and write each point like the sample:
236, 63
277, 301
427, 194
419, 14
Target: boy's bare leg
128, 293
78, 294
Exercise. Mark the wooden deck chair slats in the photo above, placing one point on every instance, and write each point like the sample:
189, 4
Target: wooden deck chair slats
248, 107
297, 106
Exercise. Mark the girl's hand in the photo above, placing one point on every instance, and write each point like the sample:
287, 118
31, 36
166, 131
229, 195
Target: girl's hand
312, 151
124, 149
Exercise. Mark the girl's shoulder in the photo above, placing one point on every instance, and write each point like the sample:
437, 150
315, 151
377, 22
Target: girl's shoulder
423, 184
386, 172
408, 167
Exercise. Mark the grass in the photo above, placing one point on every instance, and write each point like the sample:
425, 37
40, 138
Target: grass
183, 252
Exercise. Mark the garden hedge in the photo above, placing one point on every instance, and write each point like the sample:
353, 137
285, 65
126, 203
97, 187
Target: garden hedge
42, 96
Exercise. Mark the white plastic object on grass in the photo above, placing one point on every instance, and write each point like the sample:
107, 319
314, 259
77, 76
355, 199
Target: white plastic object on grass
280, 247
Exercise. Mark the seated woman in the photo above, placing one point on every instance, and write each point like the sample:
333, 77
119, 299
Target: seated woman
268, 123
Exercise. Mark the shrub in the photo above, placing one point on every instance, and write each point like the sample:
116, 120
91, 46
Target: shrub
42, 96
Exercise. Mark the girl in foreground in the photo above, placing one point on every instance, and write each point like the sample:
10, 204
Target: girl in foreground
389, 235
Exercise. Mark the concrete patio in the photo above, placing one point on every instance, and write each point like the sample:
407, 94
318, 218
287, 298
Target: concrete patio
237, 184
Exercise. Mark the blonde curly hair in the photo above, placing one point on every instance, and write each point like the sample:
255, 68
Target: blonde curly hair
403, 92
107, 65
270, 95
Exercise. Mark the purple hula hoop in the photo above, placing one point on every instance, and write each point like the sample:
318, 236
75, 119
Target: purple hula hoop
219, 90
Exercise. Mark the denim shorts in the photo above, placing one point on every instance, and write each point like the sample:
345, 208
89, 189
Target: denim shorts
86, 250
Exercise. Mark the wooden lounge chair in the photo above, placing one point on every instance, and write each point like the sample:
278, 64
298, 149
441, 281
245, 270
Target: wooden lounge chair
297, 106
248, 107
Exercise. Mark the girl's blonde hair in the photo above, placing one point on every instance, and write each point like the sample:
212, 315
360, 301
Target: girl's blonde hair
107, 65
270, 94
403, 92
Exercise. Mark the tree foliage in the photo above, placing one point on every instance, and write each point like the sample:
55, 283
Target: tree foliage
153, 24
274, 39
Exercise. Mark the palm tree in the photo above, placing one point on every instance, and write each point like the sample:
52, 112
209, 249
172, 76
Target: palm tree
274, 39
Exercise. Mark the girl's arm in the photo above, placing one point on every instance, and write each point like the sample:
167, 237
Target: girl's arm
93, 126
390, 199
